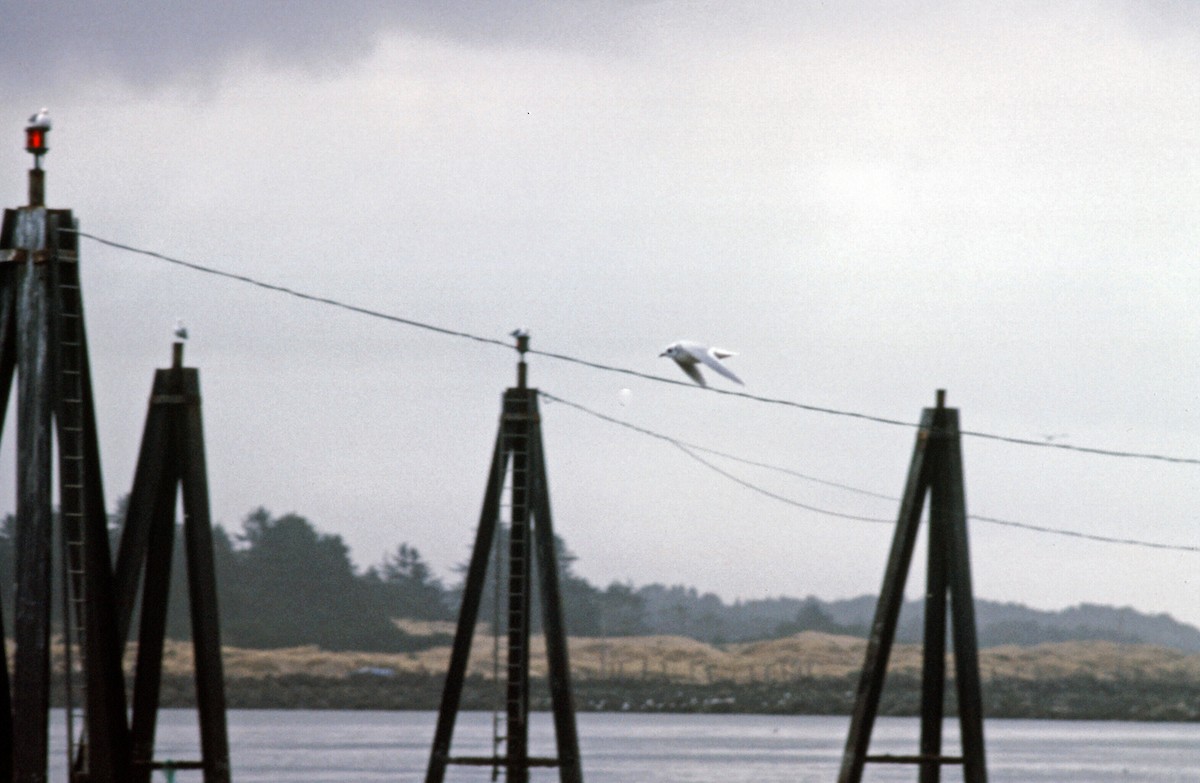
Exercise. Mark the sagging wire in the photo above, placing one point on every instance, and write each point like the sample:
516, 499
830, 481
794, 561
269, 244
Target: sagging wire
691, 449
1045, 444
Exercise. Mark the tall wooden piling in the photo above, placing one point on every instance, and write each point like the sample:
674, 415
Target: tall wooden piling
171, 462
43, 342
936, 469
531, 535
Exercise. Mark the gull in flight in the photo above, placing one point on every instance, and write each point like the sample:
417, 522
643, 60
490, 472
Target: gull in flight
688, 354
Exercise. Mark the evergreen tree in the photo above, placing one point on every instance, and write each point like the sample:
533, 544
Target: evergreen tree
299, 587
407, 587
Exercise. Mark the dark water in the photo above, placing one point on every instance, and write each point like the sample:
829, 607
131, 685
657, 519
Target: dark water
347, 747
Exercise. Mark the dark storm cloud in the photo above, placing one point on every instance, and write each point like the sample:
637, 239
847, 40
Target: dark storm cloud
149, 43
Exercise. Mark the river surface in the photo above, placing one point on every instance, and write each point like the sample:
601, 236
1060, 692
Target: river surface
351, 747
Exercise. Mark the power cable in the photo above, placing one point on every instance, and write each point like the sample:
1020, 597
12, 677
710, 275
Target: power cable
774, 496
696, 447
291, 291
690, 449
624, 370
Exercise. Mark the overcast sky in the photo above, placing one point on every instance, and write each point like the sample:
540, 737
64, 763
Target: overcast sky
866, 203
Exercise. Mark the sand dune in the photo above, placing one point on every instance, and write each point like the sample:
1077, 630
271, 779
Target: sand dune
682, 659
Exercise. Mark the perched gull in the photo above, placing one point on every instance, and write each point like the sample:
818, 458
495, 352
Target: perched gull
180, 329
686, 354
41, 120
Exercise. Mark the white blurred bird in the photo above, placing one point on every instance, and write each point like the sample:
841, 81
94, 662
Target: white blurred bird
40, 120
688, 354
180, 329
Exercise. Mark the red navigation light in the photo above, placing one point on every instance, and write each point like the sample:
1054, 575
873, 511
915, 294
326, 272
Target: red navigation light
35, 134
35, 140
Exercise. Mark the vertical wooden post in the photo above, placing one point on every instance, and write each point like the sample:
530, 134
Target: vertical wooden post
31, 686
147, 682
962, 599
202, 585
517, 418
558, 663
887, 612
90, 616
933, 673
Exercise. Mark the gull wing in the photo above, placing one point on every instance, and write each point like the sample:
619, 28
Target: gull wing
711, 357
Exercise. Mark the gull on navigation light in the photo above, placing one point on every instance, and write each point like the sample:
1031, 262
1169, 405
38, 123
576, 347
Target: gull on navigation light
180, 329
41, 120
688, 354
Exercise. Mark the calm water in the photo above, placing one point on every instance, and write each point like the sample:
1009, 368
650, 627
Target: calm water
348, 747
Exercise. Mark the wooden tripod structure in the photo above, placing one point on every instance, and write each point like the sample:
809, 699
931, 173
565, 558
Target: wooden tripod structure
43, 341
936, 469
531, 534
172, 462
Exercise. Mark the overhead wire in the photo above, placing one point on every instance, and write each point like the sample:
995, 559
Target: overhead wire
291, 291
691, 448
715, 452
1045, 444
775, 496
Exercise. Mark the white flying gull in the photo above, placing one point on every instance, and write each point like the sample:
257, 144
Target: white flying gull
41, 119
687, 354
180, 329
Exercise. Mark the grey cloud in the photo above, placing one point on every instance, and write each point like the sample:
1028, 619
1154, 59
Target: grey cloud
150, 43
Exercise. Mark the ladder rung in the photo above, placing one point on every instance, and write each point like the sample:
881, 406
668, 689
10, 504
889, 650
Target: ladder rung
919, 759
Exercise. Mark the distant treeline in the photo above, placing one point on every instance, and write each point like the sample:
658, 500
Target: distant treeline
283, 583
